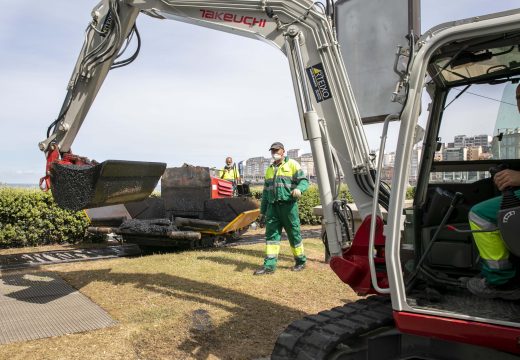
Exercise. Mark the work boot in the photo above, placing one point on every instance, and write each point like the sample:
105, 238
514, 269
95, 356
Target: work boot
263, 271
480, 287
298, 267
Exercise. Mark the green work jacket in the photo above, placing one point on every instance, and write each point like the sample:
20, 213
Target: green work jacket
280, 180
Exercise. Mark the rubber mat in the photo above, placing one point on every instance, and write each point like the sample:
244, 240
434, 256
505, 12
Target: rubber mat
463, 302
17, 261
40, 305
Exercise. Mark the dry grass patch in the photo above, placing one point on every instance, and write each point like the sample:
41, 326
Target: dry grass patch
192, 305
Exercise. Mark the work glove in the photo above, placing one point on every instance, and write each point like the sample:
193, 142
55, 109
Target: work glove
261, 220
296, 193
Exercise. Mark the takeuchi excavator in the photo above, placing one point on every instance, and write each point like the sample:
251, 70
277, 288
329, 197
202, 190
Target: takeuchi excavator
411, 262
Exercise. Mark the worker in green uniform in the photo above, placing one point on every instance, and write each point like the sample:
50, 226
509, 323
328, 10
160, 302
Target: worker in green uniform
498, 272
284, 184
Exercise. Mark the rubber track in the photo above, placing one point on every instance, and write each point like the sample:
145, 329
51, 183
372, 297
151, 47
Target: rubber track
315, 336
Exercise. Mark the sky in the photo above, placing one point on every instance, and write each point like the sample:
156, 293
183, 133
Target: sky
193, 96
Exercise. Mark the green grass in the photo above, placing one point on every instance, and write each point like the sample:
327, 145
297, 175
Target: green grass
191, 305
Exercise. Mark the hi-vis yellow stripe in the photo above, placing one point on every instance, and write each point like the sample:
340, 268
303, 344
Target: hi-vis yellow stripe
298, 250
272, 250
490, 244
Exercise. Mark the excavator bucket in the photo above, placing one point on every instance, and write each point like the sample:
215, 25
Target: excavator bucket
77, 187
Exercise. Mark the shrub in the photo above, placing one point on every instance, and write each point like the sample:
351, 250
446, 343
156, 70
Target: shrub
31, 218
256, 192
410, 193
309, 200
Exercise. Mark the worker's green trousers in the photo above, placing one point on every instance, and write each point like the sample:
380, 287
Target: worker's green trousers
494, 255
282, 215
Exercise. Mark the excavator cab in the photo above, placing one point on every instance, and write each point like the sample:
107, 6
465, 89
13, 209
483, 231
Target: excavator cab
424, 256
472, 132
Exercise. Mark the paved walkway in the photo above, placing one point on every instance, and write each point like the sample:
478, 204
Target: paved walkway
40, 305
18, 261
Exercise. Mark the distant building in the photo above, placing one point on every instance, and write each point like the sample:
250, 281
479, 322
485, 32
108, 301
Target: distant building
414, 165
387, 173
307, 163
474, 153
438, 154
479, 140
254, 169
293, 153
389, 159
459, 141
468, 141
483, 141
507, 124
508, 116
455, 154
509, 145
486, 156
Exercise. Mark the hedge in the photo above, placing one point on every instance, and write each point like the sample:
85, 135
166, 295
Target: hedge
31, 218
311, 198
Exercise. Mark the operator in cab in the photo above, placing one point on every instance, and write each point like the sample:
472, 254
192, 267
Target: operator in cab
283, 186
498, 273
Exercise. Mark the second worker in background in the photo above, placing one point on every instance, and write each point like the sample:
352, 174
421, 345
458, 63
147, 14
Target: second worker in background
284, 184
230, 172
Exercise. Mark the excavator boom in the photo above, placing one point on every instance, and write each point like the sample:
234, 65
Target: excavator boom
329, 118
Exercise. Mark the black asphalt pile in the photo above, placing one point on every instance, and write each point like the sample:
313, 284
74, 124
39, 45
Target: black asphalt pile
226, 209
73, 186
147, 227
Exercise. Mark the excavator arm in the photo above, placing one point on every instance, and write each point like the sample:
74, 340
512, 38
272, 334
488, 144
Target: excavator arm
329, 118
112, 23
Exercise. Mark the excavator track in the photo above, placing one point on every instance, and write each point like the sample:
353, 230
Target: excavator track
316, 336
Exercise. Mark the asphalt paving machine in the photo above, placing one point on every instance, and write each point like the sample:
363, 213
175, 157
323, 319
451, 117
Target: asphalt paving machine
193, 210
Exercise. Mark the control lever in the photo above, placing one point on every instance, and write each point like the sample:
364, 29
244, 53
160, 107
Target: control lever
496, 169
453, 228
457, 199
